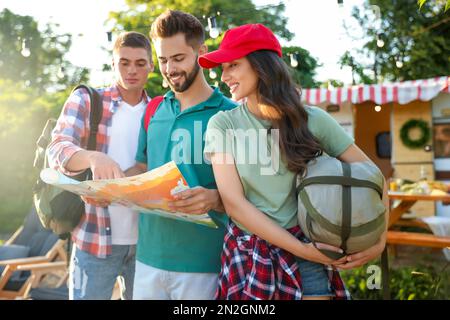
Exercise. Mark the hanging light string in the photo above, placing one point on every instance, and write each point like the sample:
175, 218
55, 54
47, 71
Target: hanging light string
212, 19
25, 52
250, 11
214, 32
26, 48
294, 59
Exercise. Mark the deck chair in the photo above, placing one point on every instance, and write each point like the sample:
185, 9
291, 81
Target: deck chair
30, 256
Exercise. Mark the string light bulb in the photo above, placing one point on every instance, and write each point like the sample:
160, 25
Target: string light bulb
212, 25
380, 42
60, 73
165, 84
212, 74
25, 50
294, 61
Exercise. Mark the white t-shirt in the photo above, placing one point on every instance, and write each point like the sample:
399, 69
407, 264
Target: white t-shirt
123, 143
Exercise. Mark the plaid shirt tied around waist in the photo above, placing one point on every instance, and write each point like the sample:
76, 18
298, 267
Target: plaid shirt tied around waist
253, 269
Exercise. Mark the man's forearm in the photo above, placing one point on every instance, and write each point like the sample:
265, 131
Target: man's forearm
219, 207
79, 161
138, 168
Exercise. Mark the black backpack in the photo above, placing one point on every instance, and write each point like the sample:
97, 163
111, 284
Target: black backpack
61, 210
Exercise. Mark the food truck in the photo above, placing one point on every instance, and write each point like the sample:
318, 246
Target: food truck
404, 127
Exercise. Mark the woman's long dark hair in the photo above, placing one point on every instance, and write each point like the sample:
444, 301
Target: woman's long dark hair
276, 89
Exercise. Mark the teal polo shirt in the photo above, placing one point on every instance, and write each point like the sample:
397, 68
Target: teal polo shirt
171, 244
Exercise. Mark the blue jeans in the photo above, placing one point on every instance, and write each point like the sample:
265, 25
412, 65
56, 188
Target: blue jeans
93, 278
315, 280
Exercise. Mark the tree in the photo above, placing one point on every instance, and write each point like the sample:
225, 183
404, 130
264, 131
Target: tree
447, 3
35, 58
331, 83
357, 69
304, 69
28, 97
23, 113
411, 42
228, 14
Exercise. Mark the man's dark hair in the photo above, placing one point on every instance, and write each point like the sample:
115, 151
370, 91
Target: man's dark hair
172, 22
134, 40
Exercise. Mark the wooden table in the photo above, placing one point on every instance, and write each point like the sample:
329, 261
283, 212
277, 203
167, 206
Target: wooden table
407, 201
409, 238
413, 238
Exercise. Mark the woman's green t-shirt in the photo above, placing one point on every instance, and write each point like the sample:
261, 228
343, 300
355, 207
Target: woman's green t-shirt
267, 183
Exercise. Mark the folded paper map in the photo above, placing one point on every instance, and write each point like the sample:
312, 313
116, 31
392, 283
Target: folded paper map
149, 192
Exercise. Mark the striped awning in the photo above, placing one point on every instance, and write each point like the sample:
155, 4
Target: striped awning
401, 92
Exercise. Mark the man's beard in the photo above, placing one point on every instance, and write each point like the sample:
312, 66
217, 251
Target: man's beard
190, 78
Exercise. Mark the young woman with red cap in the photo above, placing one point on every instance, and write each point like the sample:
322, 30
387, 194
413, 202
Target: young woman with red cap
265, 254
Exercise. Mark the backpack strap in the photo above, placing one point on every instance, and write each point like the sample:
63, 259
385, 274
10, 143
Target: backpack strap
346, 222
340, 180
152, 106
95, 115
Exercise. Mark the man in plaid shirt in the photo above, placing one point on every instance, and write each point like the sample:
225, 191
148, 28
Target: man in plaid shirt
105, 239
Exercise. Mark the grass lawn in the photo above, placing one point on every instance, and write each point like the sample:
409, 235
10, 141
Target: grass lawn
11, 219
416, 273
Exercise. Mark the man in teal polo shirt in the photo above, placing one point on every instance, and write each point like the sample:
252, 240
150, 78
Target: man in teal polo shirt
176, 259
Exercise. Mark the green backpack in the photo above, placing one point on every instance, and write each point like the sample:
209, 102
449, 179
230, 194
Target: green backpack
61, 210
341, 204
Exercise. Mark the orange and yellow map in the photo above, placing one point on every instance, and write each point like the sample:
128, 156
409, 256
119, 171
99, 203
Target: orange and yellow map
148, 192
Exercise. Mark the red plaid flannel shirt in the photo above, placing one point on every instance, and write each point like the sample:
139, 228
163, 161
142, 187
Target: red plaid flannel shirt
93, 233
252, 269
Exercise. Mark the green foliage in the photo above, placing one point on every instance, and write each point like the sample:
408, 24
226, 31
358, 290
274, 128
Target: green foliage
424, 282
332, 82
26, 103
355, 280
305, 72
422, 2
416, 41
16, 142
357, 69
23, 113
141, 13
45, 67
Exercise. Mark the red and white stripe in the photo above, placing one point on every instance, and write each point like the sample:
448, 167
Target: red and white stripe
401, 92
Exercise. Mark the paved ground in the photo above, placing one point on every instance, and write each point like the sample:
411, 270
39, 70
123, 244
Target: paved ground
411, 256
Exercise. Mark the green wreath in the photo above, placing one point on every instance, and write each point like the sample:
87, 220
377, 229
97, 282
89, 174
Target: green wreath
422, 140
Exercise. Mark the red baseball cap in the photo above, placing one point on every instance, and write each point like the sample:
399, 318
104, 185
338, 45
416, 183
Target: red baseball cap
239, 42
